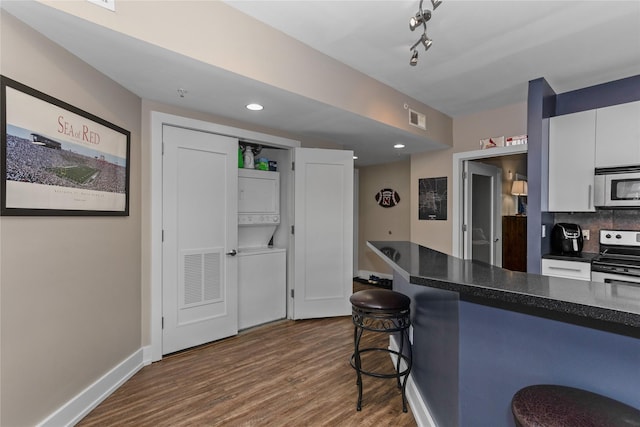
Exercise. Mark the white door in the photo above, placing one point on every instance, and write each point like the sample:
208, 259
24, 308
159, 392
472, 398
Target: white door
323, 233
200, 215
482, 229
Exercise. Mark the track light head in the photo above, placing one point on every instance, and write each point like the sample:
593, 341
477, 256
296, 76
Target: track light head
436, 3
420, 18
426, 41
414, 58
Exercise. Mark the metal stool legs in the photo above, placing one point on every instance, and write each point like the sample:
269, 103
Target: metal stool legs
390, 323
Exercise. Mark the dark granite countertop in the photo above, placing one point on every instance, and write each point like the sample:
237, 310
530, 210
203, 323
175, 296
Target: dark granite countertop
617, 306
582, 257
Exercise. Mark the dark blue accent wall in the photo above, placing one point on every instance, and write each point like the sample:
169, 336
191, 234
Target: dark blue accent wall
502, 351
540, 106
469, 359
599, 96
434, 316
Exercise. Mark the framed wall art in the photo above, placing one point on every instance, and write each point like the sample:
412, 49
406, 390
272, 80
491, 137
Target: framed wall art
58, 159
432, 198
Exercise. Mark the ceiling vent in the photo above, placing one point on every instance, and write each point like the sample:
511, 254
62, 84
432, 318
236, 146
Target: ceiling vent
418, 120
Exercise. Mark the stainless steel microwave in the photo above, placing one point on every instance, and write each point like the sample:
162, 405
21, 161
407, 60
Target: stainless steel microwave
617, 187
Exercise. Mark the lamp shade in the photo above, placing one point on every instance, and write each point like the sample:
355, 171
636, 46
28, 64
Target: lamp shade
519, 188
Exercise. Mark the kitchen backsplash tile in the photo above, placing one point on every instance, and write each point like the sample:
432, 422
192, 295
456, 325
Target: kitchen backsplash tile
614, 219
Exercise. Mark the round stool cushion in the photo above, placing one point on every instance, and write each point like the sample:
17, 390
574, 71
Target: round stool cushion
380, 299
561, 406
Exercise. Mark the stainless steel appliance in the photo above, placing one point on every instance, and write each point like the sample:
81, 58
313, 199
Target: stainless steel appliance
566, 239
617, 187
619, 259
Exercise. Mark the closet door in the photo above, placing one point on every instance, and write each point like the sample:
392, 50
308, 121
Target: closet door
323, 233
200, 220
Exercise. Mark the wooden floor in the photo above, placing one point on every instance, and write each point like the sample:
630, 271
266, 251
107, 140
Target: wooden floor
287, 373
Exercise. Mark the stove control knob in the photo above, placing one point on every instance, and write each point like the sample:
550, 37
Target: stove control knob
618, 236
608, 236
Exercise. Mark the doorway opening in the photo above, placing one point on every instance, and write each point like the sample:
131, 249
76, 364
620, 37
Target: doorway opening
510, 161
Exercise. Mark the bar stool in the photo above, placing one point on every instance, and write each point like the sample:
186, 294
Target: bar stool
386, 311
547, 405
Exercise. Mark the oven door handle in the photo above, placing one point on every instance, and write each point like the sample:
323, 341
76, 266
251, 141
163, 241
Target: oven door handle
621, 282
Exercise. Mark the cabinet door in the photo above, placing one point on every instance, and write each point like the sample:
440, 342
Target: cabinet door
618, 135
571, 162
514, 243
566, 269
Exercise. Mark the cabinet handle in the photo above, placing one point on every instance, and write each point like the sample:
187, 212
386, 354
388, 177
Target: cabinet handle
551, 267
589, 205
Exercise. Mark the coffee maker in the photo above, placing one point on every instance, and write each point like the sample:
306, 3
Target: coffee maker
566, 239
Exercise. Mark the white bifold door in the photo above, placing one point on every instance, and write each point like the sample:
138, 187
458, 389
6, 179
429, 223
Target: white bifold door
323, 233
200, 220
200, 215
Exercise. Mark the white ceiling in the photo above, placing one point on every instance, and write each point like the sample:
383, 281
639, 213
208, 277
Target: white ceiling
484, 54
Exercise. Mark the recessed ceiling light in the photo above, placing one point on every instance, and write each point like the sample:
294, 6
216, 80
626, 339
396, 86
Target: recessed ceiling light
398, 146
254, 107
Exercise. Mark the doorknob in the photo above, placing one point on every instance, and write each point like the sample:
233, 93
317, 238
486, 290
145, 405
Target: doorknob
233, 252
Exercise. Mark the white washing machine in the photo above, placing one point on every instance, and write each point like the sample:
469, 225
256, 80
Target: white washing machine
262, 282
262, 286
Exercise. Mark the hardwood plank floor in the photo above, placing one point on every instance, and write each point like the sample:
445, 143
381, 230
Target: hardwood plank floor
287, 373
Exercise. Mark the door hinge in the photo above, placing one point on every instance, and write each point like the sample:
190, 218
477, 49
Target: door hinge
163, 148
292, 293
293, 166
292, 230
464, 227
464, 175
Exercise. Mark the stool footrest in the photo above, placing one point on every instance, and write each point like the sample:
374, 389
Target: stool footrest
403, 373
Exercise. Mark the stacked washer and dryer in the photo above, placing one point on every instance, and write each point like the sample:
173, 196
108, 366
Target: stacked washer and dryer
262, 268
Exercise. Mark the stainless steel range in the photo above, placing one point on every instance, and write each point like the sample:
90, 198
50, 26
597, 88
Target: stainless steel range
619, 258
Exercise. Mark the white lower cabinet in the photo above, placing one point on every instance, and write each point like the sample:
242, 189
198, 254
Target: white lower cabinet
567, 269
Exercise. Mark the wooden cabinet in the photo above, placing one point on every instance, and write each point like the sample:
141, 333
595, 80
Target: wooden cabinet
567, 269
572, 141
514, 243
618, 135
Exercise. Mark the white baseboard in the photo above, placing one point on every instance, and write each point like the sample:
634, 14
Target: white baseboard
364, 274
419, 408
78, 407
147, 355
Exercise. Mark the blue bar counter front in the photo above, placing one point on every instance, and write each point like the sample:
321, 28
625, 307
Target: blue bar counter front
481, 333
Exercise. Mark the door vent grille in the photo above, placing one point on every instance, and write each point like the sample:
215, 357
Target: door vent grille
201, 277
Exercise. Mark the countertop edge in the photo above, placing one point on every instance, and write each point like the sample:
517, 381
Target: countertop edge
605, 318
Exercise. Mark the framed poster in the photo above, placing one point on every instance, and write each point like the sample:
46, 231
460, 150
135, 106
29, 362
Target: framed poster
58, 159
432, 198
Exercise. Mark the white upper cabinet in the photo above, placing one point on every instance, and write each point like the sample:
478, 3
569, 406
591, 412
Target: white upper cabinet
618, 135
572, 141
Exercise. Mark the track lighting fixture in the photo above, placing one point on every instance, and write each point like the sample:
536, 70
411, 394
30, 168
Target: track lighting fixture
421, 18
414, 58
